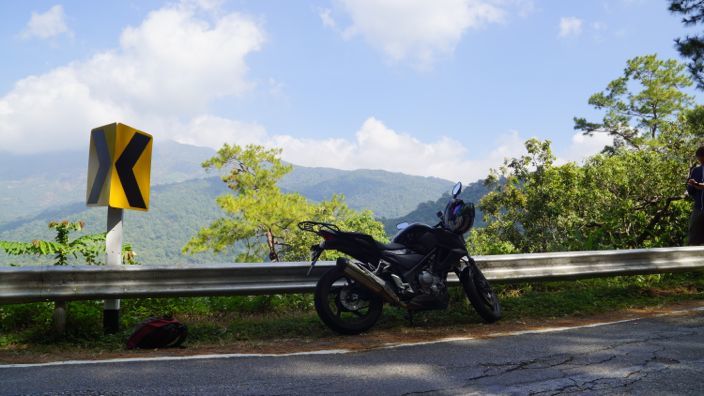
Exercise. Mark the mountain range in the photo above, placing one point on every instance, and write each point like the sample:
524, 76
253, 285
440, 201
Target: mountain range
38, 188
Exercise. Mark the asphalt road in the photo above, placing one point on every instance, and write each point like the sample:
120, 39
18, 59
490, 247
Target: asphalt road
655, 356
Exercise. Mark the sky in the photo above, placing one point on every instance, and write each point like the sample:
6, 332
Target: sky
445, 88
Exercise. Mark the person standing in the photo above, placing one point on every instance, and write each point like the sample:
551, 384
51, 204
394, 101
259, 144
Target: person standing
695, 189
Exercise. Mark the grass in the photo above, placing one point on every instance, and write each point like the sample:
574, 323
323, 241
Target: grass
261, 319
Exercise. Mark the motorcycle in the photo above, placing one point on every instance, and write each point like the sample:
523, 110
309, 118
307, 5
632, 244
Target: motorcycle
410, 272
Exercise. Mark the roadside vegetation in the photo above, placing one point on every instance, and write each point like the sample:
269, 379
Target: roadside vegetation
269, 321
87, 248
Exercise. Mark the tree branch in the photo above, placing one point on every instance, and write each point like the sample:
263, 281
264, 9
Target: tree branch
657, 217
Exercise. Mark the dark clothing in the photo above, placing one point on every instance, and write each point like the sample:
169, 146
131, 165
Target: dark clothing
696, 219
696, 228
697, 174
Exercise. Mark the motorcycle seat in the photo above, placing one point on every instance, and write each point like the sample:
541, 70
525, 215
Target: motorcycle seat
390, 246
373, 242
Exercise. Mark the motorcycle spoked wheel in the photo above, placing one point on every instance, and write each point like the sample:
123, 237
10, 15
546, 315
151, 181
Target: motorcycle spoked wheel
480, 294
345, 306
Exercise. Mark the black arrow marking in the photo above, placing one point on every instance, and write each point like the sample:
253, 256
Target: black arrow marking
101, 147
124, 166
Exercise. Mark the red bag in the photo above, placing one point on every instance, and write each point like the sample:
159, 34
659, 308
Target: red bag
158, 333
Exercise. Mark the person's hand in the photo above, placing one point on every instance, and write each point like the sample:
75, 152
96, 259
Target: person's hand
692, 182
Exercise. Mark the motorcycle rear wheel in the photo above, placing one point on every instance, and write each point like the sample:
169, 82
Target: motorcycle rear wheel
345, 306
480, 293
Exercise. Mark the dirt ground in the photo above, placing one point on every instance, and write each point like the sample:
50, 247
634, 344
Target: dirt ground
371, 340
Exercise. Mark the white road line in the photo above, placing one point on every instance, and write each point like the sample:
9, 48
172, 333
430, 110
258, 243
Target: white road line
338, 351
175, 358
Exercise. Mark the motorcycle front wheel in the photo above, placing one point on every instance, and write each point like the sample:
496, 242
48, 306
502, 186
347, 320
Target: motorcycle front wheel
480, 293
344, 305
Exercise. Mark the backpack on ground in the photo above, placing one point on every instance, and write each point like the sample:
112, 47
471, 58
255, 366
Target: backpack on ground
158, 333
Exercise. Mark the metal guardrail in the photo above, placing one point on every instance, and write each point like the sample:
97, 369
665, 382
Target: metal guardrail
53, 283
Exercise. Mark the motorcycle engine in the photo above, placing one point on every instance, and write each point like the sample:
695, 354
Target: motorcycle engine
431, 292
431, 283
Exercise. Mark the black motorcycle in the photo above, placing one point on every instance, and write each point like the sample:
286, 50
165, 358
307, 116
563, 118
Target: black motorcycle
410, 272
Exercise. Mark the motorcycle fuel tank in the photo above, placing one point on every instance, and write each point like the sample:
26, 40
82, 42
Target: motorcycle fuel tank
417, 237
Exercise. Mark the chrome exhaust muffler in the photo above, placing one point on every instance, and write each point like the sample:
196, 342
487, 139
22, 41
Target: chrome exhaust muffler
369, 280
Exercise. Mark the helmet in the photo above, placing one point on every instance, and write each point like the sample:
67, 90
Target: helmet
459, 216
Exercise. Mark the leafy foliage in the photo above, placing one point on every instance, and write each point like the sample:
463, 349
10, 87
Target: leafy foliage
625, 200
629, 196
262, 218
691, 47
632, 116
87, 246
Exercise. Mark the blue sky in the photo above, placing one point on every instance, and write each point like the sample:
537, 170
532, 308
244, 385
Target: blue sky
436, 88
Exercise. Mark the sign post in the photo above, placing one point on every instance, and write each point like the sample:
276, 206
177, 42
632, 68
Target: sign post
113, 248
119, 167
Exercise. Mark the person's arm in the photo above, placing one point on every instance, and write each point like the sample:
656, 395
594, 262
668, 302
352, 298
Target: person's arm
692, 183
690, 187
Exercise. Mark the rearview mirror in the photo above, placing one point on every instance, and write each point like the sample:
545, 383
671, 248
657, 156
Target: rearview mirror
456, 190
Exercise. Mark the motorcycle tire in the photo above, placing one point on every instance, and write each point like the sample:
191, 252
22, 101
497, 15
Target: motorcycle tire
480, 294
360, 322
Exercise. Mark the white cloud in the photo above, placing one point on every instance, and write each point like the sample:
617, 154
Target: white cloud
327, 19
374, 146
49, 24
570, 26
170, 67
166, 71
417, 31
212, 131
525, 7
583, 146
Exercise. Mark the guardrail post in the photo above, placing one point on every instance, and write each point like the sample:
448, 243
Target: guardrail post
113, 245
59, 317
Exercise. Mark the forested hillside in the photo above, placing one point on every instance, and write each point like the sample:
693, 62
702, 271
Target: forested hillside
386, 194
36, 189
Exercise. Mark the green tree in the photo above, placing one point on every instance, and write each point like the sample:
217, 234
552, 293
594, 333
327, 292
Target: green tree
630, 196
529, 209
624, 200
691, 47
641, 103
259, 217
62, 248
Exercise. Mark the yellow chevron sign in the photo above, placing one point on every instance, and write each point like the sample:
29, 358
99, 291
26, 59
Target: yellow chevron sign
119, 167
